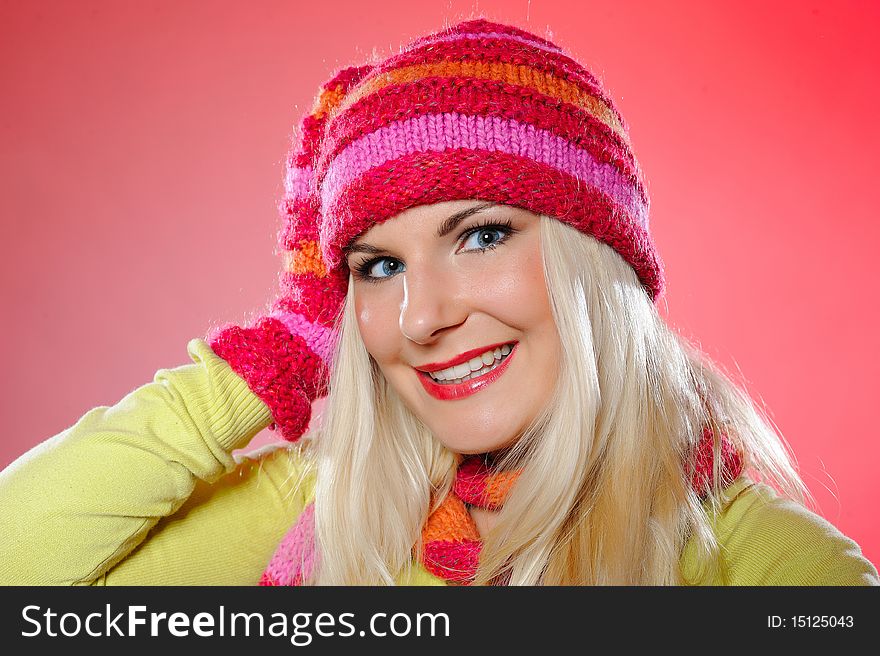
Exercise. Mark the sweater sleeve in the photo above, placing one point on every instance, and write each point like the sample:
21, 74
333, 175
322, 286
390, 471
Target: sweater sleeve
148, 492
769, 540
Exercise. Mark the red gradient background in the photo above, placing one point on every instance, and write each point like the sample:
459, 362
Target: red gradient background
141, 151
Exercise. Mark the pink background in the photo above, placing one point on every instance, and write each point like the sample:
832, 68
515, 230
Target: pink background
141, 150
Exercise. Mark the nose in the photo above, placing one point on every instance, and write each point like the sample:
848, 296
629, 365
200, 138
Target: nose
432, 302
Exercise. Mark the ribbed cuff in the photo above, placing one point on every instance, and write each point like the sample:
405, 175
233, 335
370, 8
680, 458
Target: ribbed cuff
237, 414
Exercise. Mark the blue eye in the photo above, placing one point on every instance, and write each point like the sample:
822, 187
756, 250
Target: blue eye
380, 268
481, 244
389, 268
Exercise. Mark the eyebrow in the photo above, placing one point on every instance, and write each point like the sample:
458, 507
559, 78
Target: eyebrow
448, 225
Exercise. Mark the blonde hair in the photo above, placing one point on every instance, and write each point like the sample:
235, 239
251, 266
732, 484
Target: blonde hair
605, 494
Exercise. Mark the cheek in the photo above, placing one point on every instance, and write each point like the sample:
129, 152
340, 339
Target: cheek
515, 289
375, 323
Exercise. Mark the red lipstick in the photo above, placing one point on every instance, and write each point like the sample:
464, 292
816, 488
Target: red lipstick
459, 359
468, 387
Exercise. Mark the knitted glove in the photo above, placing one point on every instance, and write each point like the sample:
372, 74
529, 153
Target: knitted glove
285, 355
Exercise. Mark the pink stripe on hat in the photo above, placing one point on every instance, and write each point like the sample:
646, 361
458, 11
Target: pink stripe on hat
491, 35
446, 132
298, 182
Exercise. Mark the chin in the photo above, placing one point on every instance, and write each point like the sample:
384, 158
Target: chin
475, 447
468, 451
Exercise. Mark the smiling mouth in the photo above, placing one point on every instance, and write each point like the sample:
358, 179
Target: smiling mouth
456, 376
461, 385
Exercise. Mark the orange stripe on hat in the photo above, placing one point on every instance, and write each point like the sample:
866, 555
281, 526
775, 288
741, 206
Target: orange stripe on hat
516, 74
305, 259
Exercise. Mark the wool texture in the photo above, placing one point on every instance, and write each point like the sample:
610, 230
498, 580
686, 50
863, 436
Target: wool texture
479, 110
451, 543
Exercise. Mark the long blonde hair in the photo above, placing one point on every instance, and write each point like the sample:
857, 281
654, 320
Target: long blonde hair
604, 496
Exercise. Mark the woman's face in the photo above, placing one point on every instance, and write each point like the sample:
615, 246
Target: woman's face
459, 280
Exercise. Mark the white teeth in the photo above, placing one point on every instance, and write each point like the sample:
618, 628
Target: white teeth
473, 368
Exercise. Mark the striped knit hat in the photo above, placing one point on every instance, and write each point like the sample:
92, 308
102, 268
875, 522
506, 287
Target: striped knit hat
481, 111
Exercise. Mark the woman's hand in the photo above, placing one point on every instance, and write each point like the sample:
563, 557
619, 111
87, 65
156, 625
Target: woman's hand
285, 356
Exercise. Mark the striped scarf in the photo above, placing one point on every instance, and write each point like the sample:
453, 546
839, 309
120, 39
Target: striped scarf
450, 541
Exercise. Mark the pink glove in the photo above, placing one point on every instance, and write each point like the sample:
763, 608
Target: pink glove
286, 355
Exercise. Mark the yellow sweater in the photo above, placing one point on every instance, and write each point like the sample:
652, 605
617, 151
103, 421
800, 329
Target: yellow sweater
147, 492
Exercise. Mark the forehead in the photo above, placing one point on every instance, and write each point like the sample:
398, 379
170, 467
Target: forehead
425, 215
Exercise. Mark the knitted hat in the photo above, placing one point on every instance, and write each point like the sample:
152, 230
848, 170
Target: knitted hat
479, 110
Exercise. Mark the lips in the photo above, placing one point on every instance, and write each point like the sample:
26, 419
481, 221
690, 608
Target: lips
464, 357
451, 392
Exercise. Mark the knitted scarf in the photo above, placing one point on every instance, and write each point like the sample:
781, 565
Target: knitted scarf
450, 541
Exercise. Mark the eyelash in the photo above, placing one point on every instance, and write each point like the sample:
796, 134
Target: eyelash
362, 269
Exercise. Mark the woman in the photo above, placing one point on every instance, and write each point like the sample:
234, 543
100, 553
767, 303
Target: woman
469, 277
